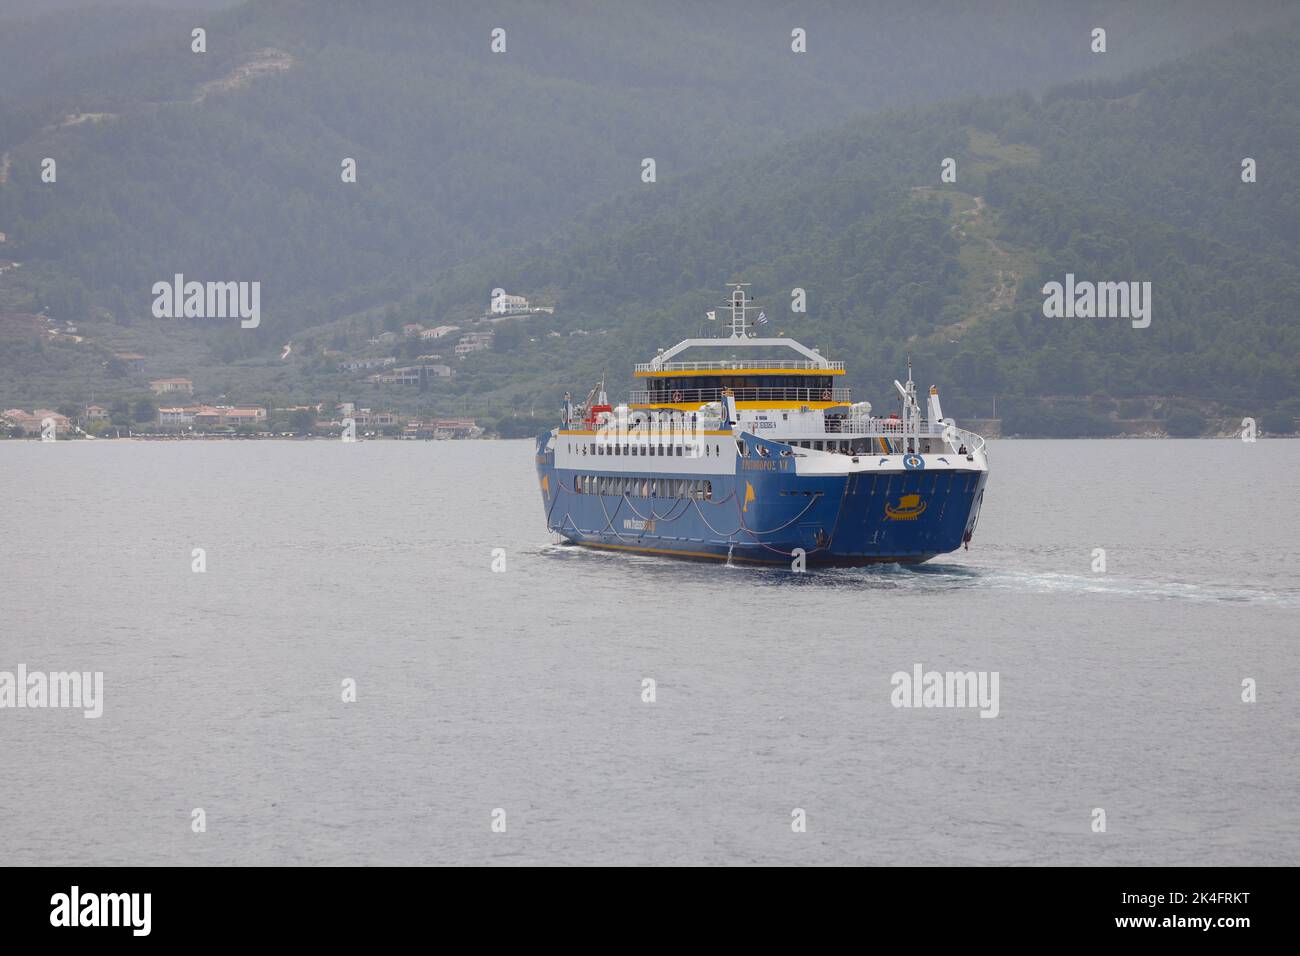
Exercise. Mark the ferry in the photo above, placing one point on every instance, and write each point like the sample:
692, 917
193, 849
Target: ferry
746, 448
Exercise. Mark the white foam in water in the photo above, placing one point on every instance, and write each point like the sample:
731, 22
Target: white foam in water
939, 577
936, 578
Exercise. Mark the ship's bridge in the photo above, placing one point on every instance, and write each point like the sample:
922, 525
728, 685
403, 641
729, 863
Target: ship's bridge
754, 383
759, 373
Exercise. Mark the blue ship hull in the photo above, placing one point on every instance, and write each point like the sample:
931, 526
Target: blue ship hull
763, 511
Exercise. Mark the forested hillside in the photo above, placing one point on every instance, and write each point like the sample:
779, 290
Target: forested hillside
461, 151
1137, 180
523, 170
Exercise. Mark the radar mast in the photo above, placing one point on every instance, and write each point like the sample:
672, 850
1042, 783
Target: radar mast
740, 304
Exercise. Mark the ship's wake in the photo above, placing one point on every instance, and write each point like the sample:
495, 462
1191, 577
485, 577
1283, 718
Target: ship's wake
938, 577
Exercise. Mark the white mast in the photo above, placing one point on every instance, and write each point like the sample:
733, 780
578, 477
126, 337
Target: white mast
740, 307
911, 408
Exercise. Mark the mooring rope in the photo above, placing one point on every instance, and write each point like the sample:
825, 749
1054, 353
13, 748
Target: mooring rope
688, 502
741, 526
609, 522
653, 516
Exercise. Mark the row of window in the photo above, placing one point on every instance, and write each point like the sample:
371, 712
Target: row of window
683, 382
856, 446
678, 449
643, 487
862, 446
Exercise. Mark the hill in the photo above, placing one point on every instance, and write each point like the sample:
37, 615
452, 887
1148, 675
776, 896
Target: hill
522, 170
1133, 180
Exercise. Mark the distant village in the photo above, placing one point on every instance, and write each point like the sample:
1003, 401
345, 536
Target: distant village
431, 365
231, 421
173, 414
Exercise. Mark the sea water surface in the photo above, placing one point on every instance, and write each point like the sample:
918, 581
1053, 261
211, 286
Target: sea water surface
522, 691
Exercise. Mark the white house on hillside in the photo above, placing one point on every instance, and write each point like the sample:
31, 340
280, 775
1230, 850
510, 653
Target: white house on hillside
504, 304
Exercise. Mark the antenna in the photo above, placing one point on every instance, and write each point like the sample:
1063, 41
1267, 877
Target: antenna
740, 305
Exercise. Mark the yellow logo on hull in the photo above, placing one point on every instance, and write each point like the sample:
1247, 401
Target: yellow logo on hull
749, 496
909, 508
546, 484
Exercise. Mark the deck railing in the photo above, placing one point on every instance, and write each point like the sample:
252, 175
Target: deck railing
738, 366
687, 427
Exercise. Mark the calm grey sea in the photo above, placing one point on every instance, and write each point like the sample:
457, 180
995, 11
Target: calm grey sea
522, 690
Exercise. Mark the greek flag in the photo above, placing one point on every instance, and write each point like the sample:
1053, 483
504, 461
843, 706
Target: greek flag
762, 318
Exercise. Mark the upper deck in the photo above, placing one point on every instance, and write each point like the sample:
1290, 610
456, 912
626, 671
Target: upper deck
775, 389
760, 382
758, 372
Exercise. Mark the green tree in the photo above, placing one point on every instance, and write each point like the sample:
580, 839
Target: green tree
302, 421
1278, 421
507, 337
66, 300
1185, 423
521, 426
144, 411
